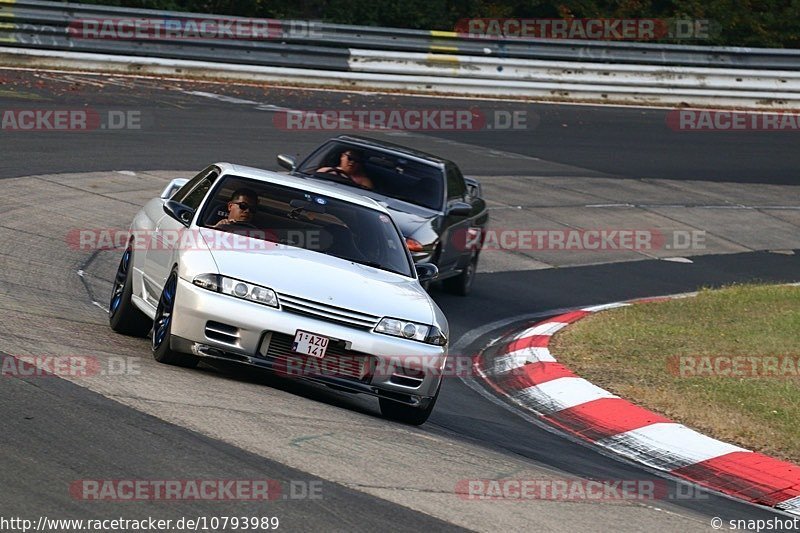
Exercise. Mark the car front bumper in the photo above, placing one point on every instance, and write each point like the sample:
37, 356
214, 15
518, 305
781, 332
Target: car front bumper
250, 327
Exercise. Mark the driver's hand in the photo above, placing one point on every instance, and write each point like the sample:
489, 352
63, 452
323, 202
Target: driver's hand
224, 222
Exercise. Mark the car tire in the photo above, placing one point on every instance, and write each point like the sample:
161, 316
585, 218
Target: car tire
408, 414
162, 328
123, 316
462, 284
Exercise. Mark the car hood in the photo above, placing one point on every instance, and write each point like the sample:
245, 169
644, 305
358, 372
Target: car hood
409, 220
409, 217
326, 279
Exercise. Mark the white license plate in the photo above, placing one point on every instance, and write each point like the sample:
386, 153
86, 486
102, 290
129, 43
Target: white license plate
309, 344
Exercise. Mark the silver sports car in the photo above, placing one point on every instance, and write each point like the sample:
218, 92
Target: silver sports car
285, 273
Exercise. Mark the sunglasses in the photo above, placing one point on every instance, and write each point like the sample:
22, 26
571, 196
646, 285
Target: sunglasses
352, 158
244, 206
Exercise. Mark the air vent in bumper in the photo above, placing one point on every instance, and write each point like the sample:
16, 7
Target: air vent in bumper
217, 331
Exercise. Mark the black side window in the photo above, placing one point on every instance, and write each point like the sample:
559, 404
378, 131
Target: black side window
455, 183
195, 190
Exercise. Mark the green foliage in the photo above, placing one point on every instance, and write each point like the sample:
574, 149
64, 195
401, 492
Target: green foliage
764, 23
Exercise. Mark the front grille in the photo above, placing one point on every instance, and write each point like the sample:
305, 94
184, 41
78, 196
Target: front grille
328, 313
338, 361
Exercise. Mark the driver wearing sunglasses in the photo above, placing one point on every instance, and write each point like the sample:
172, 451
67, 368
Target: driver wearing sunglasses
241, 208
350, 167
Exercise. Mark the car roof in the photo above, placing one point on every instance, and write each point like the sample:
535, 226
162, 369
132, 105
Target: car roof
367, 142
305, 184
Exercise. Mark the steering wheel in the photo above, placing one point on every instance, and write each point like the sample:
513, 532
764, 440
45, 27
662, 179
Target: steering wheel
338, 172
243, 224
344, 177
237, 225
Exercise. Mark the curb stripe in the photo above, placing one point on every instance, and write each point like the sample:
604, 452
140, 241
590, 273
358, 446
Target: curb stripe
534, 374
793, 505
530, 355
747, 475
652, 300
604, 418
529, 341
543, 328
596, 308
667, 446
569, 318
563, 393
527, 373
509, 363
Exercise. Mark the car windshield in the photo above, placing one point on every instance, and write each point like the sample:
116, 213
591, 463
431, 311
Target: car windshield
311, 221
385, 173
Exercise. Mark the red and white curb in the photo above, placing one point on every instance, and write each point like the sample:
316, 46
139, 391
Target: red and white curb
526, 372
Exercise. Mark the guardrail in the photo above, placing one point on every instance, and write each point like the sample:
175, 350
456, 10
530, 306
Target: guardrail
42, 33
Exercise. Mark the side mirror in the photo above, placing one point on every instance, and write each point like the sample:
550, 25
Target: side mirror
287, 162
179, 212
459, 209
173, 187
426, 272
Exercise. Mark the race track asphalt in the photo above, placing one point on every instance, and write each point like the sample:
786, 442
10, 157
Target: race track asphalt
56, 431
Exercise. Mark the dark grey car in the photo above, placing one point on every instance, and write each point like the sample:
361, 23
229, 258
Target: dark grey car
441, 213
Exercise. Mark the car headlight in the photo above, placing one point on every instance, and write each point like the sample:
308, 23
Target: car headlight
237, 288
411, 331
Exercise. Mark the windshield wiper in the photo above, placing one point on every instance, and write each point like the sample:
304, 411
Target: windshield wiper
373, 264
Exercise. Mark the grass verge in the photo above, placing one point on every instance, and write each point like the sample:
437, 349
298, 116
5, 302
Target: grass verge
724, 363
